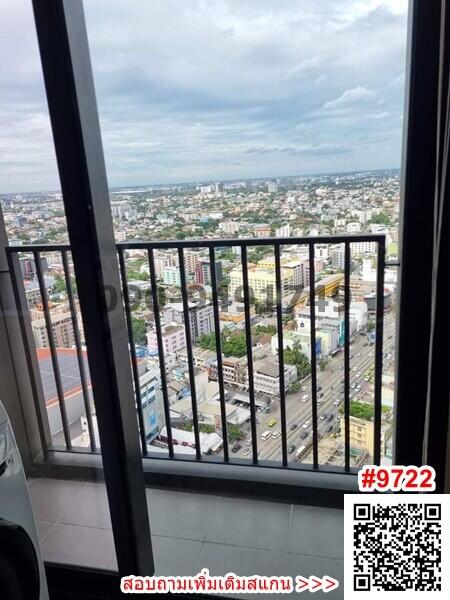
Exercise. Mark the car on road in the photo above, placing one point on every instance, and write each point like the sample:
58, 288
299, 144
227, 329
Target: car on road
236, 448
337, 402
291, 449
293, 426
271, 423
321, 395
319, 387
306, 424
305, 397
248, 442
304, 434
329, 417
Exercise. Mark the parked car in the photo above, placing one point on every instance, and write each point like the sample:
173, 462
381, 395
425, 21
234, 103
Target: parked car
271, 423
293, 426
236, 448
329, 429
306, 424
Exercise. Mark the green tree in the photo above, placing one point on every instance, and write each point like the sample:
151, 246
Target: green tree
59, 285
139, 330
322, 362
234, 433
295, 387
381, 219
295, 356
370, 325
264, 329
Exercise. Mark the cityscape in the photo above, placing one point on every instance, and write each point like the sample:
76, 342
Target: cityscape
287, 208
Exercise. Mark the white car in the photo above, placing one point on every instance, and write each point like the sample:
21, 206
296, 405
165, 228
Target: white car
306, 424
22, 572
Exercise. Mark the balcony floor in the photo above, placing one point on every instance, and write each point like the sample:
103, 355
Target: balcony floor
192, 531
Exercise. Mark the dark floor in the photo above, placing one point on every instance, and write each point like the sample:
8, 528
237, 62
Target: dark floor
193, 531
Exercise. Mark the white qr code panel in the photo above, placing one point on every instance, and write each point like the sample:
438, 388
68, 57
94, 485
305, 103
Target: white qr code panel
396, 546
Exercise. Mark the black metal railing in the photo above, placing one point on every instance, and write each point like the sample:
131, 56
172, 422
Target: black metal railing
210, 247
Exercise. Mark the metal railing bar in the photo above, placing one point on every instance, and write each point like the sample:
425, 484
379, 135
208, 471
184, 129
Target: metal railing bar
312, 318
215, 303
347, 355
159, 341
80, 357
279, 299
379, 318
53, 352
248, 336
217, 242
190, 357
134, 367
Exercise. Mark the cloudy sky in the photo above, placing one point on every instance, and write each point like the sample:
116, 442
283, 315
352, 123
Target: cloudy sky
217, 89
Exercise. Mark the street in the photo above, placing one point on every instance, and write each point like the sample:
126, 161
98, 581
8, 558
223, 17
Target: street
329, 384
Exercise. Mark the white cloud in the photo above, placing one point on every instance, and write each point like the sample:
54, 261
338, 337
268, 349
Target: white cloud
350, 97
186, 88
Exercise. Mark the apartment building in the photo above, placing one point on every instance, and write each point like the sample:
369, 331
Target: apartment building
201, 317
62, 328
262, 283
173, 339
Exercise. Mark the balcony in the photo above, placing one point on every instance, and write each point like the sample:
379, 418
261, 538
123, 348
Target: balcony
193, 411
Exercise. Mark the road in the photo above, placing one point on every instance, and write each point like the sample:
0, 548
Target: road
329, 380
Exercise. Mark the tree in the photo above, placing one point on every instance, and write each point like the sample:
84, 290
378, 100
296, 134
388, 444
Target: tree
381, 219
139, 330
232, 345
370, 325
322, 362
295, 356
59, 285
264, 329
295, 387
234, 433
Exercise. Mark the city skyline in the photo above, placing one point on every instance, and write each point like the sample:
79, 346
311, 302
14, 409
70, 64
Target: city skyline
199, 182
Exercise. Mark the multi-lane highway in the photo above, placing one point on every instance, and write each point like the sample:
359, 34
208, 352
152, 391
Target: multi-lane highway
330, 382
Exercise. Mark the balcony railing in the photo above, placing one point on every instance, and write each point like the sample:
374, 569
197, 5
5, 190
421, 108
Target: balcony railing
55, 392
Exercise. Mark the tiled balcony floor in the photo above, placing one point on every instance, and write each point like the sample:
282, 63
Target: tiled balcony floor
192, 531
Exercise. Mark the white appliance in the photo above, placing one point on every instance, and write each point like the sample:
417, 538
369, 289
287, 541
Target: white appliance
22, 573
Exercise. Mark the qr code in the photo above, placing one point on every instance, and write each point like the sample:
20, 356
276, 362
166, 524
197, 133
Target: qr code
395, 543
